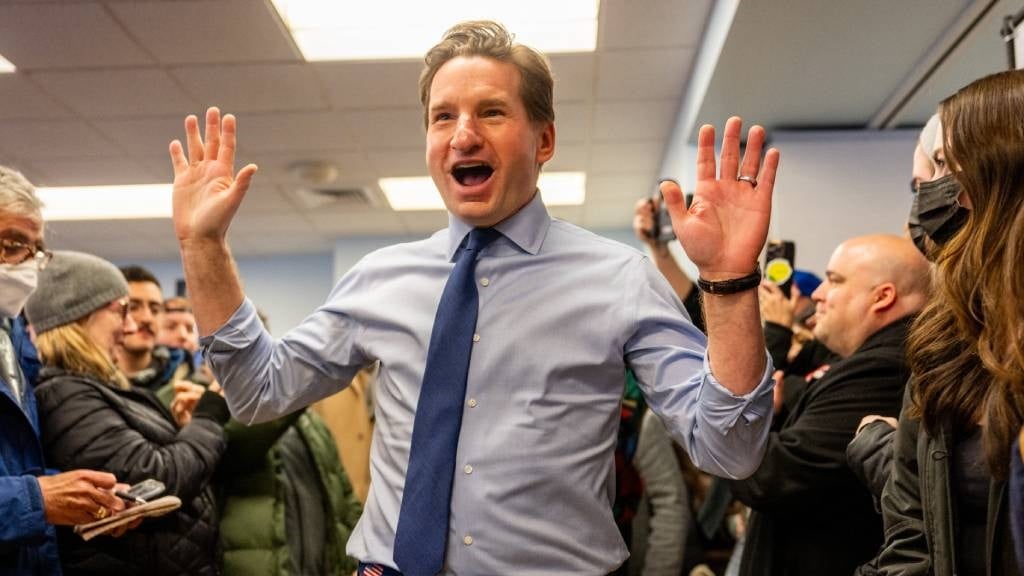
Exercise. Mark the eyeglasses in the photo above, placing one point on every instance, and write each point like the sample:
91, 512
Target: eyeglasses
14, 253
121, 307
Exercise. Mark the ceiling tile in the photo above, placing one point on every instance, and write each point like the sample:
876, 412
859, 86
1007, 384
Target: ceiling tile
299, 131
626, 156
646, 74
568, 157
392, 128
255, 88
658, 23
21, 99
122, 92
276, 167
574, 76
620, 187
399, 162
44, 139
572, 122
390, 84
264, 198
38, 36
148, 137
90, 172
634, 120
208, 31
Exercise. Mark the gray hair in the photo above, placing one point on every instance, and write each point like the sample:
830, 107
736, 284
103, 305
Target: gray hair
18, 195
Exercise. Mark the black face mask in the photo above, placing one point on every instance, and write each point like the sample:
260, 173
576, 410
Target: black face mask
936, 213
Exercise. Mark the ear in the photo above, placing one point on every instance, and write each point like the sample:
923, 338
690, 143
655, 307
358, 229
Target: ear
545, 142
883, 297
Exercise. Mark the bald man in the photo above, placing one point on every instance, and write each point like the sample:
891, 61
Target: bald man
810, 515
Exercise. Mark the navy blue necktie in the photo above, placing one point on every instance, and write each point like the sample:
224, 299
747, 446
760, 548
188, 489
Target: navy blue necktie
422, 532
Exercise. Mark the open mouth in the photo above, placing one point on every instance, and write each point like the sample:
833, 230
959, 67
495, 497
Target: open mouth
472, 174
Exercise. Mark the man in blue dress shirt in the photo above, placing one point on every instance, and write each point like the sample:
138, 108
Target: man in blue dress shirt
562, 314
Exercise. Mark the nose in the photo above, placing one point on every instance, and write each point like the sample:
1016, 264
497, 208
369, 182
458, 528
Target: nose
465, 138
819, 293
129, 325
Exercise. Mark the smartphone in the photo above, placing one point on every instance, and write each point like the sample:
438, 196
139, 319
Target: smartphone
779, 262
143, 491
662, 230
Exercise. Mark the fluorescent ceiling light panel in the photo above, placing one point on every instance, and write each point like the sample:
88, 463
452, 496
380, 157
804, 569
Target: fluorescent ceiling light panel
419, 193
131, 202
5, 65
391, 29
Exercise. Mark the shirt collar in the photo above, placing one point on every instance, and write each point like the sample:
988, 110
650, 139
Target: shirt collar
527, 228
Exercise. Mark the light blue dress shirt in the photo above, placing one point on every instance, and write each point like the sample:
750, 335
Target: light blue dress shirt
563, 312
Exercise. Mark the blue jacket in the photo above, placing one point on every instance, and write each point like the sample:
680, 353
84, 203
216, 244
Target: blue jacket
28, 543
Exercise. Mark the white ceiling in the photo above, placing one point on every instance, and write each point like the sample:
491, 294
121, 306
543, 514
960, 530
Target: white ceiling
103, 85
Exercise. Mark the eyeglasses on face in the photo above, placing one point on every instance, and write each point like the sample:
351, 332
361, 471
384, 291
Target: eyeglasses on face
14, 252
121, 308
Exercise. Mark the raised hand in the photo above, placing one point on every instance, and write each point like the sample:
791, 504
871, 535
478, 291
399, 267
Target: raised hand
727, 223
78, 497
207, 192
186, 396
643, 220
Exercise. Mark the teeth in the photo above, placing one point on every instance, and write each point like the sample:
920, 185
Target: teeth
474, 165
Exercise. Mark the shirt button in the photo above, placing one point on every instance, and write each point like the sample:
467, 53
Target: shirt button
472, 402
476, 337
485, 282
468, 469
468, 540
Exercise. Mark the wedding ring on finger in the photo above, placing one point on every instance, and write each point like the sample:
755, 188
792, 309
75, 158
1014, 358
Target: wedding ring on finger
750, 179
101, 513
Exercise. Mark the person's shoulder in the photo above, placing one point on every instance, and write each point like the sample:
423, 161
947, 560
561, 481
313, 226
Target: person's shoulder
399, 253
56, 388
564, 234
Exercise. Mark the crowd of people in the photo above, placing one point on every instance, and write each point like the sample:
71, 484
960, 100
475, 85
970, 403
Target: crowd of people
541, 400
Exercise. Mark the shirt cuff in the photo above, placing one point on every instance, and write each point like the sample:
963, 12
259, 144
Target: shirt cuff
240, 330
729, 408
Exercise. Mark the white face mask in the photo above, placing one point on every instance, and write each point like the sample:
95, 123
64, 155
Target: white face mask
17, 283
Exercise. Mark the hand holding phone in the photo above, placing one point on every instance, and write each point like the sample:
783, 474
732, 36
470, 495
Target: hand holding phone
779, 264
142, 492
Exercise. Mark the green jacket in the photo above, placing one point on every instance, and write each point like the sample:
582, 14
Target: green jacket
287, 507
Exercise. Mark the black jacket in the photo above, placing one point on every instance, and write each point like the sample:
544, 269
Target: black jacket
810, 515
870, 456
89, 424
920, 514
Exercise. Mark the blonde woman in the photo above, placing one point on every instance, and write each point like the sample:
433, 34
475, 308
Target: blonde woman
92, 418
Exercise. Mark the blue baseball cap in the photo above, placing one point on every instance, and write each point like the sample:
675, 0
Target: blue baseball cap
806, 282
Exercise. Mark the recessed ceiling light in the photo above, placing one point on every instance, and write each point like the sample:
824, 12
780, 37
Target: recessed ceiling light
391, 29
130, 202
5, 65
419, 193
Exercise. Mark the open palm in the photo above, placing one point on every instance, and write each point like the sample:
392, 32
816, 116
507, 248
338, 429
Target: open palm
207, 193
725, 227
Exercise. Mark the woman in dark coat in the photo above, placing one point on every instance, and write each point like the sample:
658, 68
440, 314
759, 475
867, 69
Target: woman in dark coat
92, 418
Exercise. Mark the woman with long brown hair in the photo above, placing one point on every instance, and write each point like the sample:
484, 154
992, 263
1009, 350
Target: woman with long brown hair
945, 504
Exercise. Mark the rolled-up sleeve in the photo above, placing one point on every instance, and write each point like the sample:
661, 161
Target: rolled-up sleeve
264, 379
724, 434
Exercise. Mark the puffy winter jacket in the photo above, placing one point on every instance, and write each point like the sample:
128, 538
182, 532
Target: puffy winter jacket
130, 433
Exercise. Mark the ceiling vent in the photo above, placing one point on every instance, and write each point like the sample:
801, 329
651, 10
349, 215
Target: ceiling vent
318, 187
